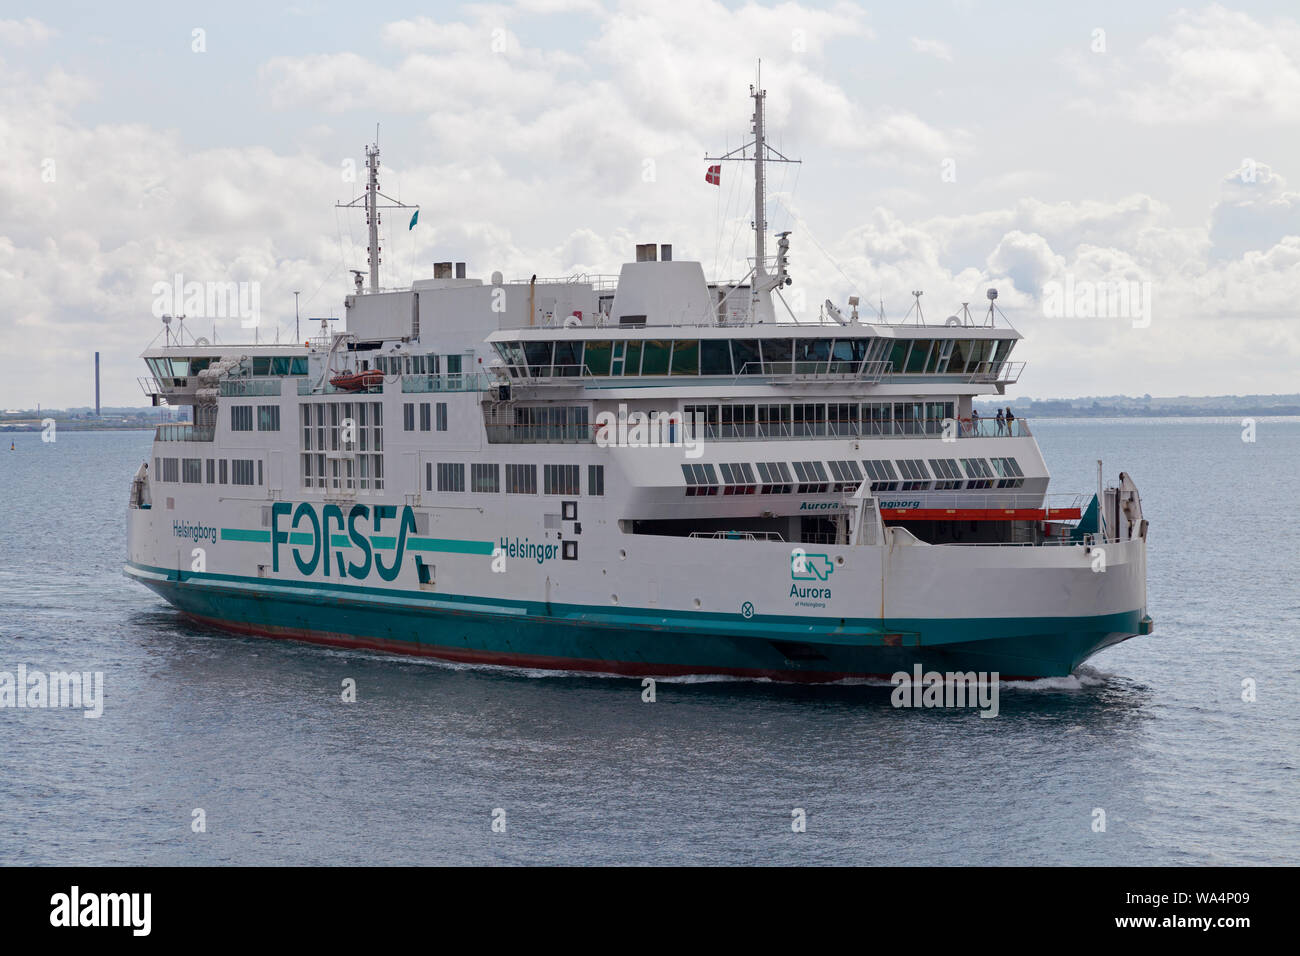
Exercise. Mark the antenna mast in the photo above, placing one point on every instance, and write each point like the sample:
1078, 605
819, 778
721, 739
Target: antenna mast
764, 282
369, 200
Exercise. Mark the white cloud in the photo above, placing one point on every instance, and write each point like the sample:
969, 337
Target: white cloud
935, 48
1212, 64
26, 32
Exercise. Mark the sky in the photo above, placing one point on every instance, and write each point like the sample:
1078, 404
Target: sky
1052, 153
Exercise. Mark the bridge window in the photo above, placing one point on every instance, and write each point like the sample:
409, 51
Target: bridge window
596, 358
241, 418
744, 355
538, 357
268, 418
686, 357
568, 358
811, 355
654, 359
778, 357
715, 357
847, 356
917, 357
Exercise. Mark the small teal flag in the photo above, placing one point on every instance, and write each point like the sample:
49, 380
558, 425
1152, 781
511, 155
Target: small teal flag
413, 219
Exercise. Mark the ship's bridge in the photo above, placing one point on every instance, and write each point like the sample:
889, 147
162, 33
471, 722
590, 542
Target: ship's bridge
644, 354
179, 371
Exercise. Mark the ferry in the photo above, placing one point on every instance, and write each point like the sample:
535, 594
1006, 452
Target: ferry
654, 474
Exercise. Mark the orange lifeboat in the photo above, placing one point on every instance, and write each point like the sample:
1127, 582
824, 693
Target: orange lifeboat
358, 381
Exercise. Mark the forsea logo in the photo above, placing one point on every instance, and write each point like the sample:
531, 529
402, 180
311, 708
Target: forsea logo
308, 556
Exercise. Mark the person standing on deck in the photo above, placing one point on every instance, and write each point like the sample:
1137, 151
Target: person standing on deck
974, 421
1001, 422
1011, 419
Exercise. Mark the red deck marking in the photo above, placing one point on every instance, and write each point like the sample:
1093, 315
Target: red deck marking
978, 514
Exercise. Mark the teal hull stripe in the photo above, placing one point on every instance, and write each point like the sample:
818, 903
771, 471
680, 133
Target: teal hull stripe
451, 546
631, 640
238, 534
845, 631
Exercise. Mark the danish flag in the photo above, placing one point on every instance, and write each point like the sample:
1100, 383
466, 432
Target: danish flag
714, 175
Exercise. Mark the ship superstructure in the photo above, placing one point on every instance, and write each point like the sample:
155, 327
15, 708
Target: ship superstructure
643, 474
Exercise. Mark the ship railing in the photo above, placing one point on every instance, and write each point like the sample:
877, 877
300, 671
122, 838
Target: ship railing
244, 387
1057, 505
795, 371
544, 433
447, 382
184, 431
751, 373
1065, 541
307, 386
840, 428
738, 535
996, 373
600, 282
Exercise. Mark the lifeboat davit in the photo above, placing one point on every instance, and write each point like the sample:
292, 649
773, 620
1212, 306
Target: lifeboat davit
358, 381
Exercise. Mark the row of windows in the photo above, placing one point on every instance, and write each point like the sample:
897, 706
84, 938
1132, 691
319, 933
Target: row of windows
241, 418
261, 365
342, 426
812, 419
747, 356
417, 364
815, 477
218, 471
428, 411
361, 472
519, 479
